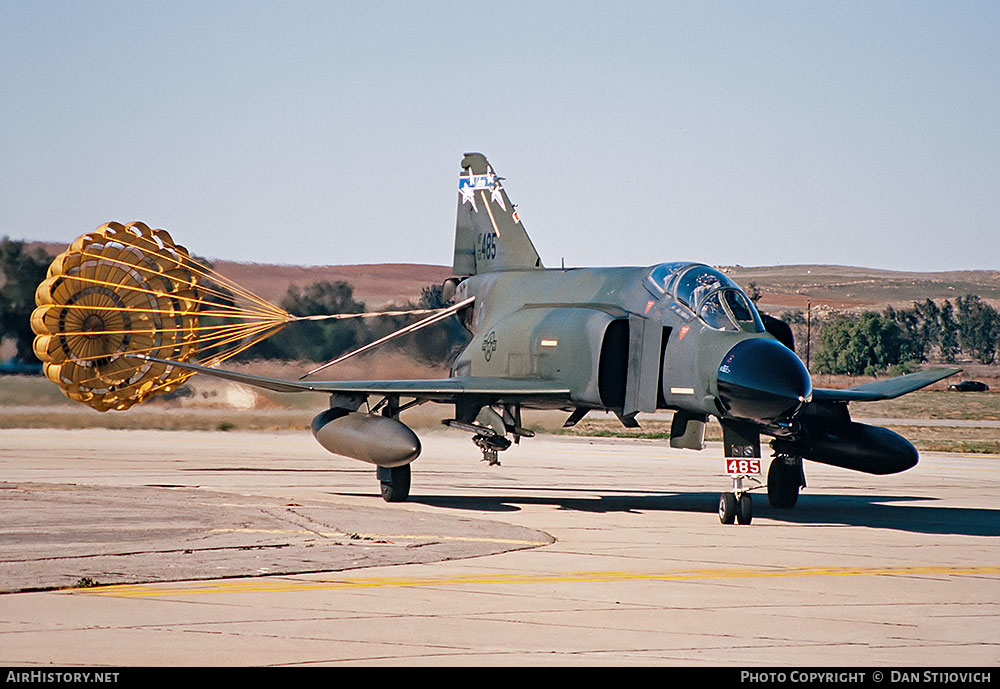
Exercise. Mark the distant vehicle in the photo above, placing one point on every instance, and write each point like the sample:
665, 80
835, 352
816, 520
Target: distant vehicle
969, 386
19, 368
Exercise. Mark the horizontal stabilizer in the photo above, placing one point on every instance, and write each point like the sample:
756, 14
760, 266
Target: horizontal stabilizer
888, 389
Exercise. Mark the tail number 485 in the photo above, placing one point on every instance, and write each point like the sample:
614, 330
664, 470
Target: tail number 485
487, 246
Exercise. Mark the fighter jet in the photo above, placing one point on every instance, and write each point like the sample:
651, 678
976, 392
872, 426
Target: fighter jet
677, 336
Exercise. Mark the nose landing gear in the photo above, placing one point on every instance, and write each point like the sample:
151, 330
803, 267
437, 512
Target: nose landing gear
737, 506
742, 448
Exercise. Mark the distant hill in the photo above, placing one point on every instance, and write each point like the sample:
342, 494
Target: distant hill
782, 287
375, 284
850, 288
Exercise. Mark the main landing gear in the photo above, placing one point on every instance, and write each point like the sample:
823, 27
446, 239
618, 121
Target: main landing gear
395, 483
489, 427
784, 479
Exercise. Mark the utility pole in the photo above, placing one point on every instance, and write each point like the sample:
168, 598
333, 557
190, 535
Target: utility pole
809, 305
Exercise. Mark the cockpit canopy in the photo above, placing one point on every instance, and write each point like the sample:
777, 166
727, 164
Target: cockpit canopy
711, 295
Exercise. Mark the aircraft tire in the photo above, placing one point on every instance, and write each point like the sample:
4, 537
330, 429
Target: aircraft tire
397, 487
744, 509
727, 508
783, 482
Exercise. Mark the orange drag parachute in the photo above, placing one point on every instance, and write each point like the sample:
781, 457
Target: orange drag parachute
126, 290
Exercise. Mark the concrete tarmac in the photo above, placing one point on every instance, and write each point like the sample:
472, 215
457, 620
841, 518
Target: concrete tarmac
262, 549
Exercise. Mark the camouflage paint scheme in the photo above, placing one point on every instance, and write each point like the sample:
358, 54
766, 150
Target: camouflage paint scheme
679, 336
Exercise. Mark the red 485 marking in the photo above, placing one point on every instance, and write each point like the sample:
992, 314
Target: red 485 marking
737, 467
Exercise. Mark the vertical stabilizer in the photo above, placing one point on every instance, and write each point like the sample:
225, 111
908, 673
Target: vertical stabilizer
488, 232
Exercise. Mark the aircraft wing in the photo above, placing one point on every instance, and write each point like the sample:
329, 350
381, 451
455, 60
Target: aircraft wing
441, 389
888, 389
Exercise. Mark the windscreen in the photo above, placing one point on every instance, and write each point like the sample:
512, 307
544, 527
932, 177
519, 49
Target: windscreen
714, 315
695, 284
740, 306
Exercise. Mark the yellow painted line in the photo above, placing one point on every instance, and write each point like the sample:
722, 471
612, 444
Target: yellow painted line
264, 585
384, 537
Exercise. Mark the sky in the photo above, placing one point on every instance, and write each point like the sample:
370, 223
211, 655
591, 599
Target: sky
753, 133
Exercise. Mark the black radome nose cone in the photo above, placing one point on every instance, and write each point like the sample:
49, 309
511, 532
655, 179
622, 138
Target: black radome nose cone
762, 380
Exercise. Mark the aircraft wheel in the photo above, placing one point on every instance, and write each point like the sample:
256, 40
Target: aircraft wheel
395, 483
727, 508
783, 482
744, 509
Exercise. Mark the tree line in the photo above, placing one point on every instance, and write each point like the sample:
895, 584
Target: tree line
871, 343
23, 269
897, 340
321, 341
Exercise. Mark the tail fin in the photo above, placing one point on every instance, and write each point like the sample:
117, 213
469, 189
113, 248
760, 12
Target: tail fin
488, 233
